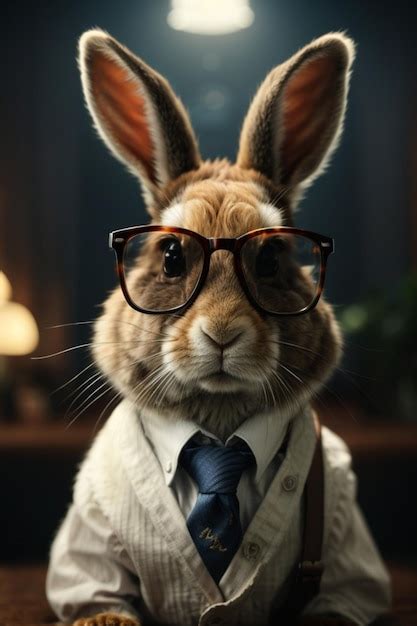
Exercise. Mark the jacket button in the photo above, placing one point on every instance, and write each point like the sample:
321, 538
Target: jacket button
289, 483
251, 550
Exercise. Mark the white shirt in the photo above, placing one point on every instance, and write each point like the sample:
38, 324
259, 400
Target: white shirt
264, 435
124, 545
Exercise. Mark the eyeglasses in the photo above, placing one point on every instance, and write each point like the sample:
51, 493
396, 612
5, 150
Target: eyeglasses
162, 269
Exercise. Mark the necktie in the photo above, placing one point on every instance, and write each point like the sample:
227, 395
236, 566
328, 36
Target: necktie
214, 522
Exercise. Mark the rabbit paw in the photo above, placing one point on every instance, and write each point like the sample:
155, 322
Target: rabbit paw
107, 619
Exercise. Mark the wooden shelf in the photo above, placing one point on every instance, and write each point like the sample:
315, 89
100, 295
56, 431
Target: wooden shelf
51, 437
364, 436
374, 438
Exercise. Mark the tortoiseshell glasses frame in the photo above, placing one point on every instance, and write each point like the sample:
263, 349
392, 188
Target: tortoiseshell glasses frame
118, 240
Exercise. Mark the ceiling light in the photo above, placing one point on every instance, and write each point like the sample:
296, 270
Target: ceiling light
210, 17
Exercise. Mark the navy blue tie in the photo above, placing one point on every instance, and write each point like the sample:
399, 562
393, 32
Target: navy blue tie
214, 523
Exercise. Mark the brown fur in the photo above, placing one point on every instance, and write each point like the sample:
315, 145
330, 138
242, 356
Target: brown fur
296, 118
221, 170
122, 93
167, 362
229, 209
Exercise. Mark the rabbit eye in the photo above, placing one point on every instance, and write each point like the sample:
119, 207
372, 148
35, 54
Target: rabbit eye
267, 259
174, 262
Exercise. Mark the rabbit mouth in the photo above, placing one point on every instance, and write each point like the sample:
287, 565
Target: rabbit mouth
220, 382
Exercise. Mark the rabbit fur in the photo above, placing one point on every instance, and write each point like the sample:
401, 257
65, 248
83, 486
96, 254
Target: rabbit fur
292, 128
169, 363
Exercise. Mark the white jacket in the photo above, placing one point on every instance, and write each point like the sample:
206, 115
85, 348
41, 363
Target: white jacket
124, 544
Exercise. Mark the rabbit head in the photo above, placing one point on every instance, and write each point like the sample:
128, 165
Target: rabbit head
220, 360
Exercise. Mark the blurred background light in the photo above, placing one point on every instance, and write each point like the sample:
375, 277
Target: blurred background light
210, 17
5, 288
18, 330
214, 99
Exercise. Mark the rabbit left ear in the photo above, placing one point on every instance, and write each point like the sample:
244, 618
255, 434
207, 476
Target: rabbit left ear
295, 120
136, 113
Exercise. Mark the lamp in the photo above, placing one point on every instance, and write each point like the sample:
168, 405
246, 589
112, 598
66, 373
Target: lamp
18, 330
210, 17
18, 336
5, 288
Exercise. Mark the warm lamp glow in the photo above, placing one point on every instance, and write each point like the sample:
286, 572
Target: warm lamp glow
5, 288
210, 17
18, 330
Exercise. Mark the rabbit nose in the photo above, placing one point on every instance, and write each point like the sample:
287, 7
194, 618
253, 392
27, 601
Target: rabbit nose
222, 338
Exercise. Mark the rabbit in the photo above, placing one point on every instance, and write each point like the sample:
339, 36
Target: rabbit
218, 363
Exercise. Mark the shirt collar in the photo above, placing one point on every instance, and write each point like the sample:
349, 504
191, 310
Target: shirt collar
167, 437
264, 433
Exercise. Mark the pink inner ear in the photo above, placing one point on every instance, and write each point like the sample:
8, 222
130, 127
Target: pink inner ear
307, 106
123, 111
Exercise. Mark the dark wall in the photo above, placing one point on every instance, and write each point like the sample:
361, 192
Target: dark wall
61, 192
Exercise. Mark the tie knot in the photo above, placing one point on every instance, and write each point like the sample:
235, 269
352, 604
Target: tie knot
216, 469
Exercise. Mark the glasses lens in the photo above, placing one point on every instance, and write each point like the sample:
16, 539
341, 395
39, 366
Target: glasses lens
162, 269
282, 271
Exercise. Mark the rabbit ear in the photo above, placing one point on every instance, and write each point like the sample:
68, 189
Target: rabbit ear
136, 113
295, 120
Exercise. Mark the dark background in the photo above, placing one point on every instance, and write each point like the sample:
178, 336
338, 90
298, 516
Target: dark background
61, 193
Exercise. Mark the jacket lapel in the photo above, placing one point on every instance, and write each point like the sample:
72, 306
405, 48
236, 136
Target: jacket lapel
271, 523
147, 480
265, 533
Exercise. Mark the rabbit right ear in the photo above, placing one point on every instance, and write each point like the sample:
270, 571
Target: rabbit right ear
136, 113
296, 118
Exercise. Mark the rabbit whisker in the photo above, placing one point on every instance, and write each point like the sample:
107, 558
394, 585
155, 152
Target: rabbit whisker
49, 356
98, 375
343, 370
89, 396
172, 382
287, 369
79, 389
101, 343
159, 384
155, 375
273, 398
315, 394
72, 379
100, 321
279, 195
100, 417
281, 385
92, 401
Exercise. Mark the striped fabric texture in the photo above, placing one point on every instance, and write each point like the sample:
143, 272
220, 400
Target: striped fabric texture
124, 544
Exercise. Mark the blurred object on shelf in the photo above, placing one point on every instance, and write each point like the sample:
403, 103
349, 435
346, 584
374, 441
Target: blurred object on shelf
5, 288
31, 401
19, 336
18, 330
385, 324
